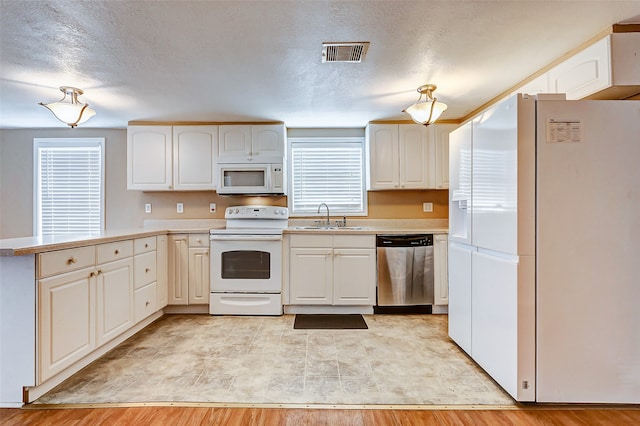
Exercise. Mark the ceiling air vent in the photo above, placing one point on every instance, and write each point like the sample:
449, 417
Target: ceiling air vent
344, 52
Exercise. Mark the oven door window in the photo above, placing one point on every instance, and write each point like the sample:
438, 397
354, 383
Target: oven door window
246, 264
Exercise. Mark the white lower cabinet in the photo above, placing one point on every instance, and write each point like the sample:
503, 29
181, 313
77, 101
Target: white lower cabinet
87, 296
199, 285
332, 270
114, 283
440, 275
188, 268
66, 320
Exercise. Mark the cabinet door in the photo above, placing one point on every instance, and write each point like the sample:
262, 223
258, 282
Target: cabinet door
382, 140
114, 299
162, 260
268, 141
178, 267
584, 73
440, 280
199, 284
460, 295
194, 150
149, 158
234, 142
311, 276
441, 142
354, 277
66, 320
413, 147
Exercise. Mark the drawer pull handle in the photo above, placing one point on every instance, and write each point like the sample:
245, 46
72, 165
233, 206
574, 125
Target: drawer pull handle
117, 251
71, 260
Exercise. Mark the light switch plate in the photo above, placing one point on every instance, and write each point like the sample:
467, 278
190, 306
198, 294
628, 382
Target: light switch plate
179, 207
212, 208
427, 207
147, 208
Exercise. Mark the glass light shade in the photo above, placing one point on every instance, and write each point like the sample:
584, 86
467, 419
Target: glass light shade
71, 114
419, 112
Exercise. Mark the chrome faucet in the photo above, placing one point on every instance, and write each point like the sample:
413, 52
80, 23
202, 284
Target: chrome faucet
327, 207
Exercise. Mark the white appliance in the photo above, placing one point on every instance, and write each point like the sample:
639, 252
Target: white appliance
544, 229
243, 178
246, 261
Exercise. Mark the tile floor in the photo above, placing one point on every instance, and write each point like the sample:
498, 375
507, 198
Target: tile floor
400, 359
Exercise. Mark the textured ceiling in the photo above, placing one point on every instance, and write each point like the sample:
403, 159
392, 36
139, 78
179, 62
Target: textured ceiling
261, 60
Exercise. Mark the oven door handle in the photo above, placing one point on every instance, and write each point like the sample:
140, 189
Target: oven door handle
246, 237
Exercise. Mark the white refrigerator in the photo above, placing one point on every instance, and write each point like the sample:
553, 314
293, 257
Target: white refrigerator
544, 267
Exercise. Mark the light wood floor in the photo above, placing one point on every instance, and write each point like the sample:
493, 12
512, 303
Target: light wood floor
280, 416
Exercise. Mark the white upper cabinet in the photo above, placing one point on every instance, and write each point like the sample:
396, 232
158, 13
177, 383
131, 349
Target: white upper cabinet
165, 158
383, 153
149, 151
194, 150
258, 143
607, 69
441, 155
584, 73
408, 156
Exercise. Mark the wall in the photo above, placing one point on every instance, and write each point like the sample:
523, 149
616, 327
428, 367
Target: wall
125, 209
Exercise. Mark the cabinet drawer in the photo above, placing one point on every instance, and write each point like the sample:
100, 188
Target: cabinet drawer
114, 251
144, 300
300, 240
354, 241
198, 240
61, 261
143, 245
144, 269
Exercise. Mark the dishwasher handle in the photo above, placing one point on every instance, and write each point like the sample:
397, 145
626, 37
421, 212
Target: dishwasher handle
420, 240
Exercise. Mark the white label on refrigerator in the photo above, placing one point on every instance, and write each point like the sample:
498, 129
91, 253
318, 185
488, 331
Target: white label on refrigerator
563, 131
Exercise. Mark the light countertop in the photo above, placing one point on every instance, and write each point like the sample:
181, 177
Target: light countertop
38, 244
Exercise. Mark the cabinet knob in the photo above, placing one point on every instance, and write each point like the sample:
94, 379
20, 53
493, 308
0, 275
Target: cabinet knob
92, 274
71, 260
146, 245
147, 303
117, 251
146, 270
99, 271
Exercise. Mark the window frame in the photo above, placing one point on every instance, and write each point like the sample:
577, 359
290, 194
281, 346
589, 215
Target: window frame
327, 140
65, 142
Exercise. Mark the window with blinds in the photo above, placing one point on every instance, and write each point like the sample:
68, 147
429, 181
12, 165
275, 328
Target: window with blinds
327, 170
69, 185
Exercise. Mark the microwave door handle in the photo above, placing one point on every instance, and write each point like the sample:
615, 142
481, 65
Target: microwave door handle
246, 237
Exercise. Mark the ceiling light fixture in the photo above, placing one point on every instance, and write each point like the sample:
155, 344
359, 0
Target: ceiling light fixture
428, 111
71, 112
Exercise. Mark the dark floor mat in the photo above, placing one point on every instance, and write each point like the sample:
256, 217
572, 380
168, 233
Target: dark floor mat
329, 322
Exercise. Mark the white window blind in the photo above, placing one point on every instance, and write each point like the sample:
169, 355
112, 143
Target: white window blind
327, 170
69, 185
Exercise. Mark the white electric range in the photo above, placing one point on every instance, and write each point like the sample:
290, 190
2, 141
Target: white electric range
246, 261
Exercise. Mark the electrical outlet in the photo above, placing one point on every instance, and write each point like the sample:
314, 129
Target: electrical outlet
427, 207
212, 208
179, 208
147, 208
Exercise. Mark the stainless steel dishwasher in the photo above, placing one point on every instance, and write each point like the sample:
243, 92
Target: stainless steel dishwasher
405, 270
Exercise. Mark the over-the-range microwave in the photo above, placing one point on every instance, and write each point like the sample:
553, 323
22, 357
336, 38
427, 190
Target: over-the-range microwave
241, 179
